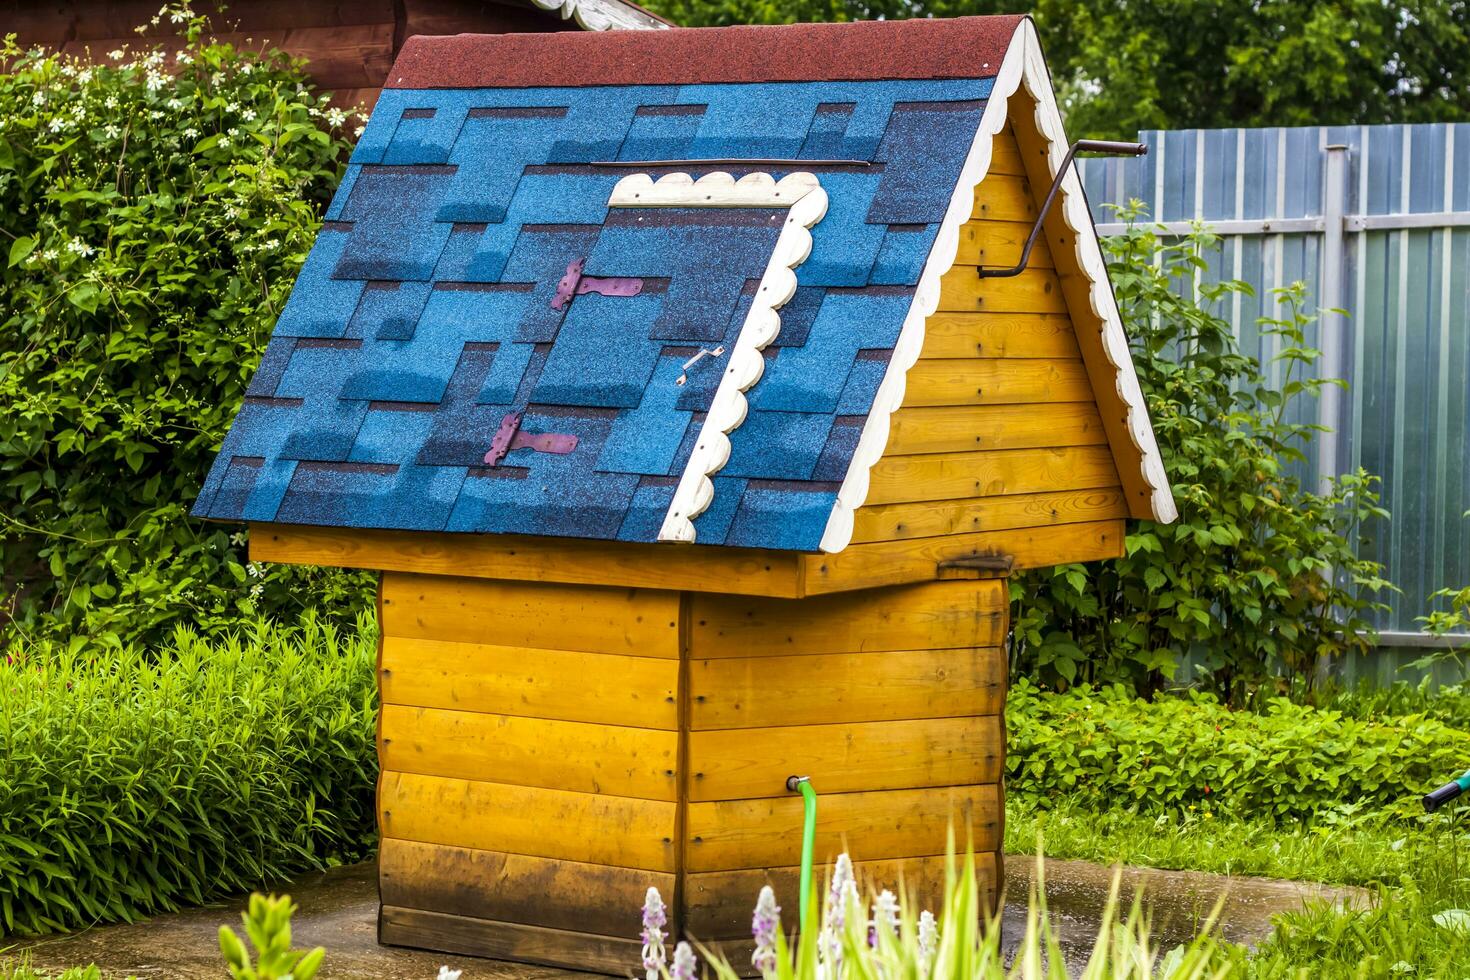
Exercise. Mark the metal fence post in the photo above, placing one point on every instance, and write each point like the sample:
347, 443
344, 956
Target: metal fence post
1332, 325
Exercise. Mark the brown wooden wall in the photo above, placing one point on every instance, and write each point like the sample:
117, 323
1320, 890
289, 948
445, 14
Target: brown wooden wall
349, 44
550, 751
999, 427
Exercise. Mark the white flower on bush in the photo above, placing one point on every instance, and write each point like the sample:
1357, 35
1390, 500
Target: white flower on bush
57, 124
334, 116
38, 99
360, 130
50, 255
78, 247
191, 133
174, 104
156, 80
178, 17
248, 115
183, 58
233, 132
111, 102
84, 76
224, 143
111, 131
232, 107
117, 54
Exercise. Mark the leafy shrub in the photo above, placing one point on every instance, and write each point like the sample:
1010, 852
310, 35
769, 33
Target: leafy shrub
1258, 573
1103, 748
154, 211
132, 783
267, 923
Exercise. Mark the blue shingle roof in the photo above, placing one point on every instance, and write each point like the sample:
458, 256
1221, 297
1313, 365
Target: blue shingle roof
423, 314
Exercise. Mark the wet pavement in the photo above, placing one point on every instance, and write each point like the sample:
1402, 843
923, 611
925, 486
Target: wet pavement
338, 910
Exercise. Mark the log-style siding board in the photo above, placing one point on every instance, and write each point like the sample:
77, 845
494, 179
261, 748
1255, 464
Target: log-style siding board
995, 381
738, 571
1005, 155
611, 830
944, 476
927, 616
1034, 291
929, 518
506, 941
880, 563
759, 692
999, 335
1005, 197
514, 887
567, 755
980, 428
735, 834
606, 689
748, 763
999, 244
719, 901
592, 619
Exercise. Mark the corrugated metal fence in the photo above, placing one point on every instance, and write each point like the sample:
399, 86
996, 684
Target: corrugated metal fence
1376, 221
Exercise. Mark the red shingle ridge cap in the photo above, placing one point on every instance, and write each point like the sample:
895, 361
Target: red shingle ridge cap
960, 47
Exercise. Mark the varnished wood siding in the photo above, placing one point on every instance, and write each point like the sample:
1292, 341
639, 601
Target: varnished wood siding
999, 432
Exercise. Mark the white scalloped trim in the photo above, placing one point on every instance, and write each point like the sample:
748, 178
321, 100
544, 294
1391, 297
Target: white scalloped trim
778, 284
1023, 64
713, 190
603, 15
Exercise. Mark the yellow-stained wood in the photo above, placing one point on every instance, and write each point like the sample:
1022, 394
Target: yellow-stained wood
966, 428
944, 476
534, 891
1077, 293
759, 692
922, 519
998, 244
995, 381
1003, 197
737, 571
999, 335
764, 833
928, 616
746, 763
545, 616
879, 563
569, 755
719, 901
1033, 291
1005, 155
612, 830
506, 940
563, 685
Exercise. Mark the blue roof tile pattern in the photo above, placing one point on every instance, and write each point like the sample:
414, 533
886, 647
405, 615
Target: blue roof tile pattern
423, 315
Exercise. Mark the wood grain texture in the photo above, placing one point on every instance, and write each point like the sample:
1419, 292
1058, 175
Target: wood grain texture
569, 755
738, 571
1034, 291
946, 476
999, 335
757, 692
1005, 155
927, 616
747, 763
879, 563
996, 381
1006, 197
922, 519
719, 901
998, 244
513, 887
550, 823
764, 833
506, 941
545, 616
602, 688
967, 428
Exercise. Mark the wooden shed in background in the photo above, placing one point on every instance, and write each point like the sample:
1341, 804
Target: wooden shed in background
655, 373
349, 46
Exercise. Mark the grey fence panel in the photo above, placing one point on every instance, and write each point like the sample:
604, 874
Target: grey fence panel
1401, 273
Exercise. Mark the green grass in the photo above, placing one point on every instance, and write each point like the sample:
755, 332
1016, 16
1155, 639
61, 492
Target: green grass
21, 970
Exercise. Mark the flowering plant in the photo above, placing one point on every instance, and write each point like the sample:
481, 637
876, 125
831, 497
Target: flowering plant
155, 206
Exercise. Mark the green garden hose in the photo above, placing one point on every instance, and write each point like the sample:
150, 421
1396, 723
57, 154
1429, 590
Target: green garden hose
803, 784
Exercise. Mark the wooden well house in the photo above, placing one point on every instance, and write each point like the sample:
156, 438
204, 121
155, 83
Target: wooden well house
656, 373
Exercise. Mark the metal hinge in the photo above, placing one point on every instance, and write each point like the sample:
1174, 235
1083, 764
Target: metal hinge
575, 284
509, 438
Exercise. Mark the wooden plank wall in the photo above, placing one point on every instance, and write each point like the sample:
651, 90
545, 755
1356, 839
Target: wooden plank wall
349, 46
892, 701
529, 741
999, 428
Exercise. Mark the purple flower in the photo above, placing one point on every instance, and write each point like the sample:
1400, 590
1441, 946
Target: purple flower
683, 963
655, 917
763, 927
842, 892
928, 938
885, 917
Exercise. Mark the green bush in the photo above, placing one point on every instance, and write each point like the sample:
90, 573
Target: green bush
1104, 748
154, 211
1258, 574
132, 782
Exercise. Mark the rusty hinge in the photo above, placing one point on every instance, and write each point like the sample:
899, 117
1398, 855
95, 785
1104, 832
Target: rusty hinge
509, 437
575, 284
